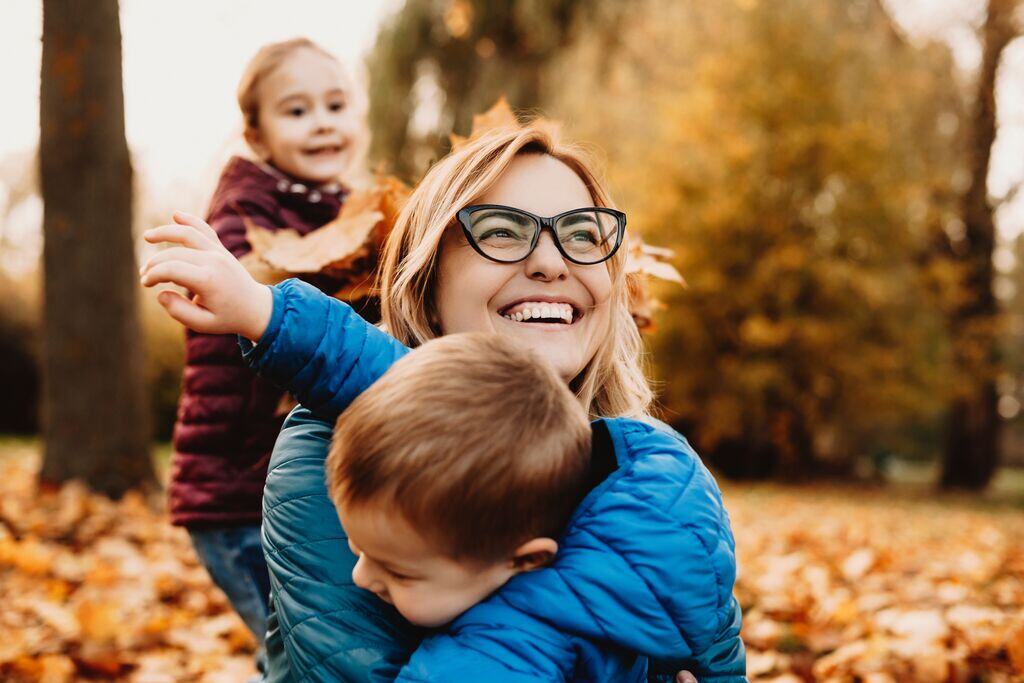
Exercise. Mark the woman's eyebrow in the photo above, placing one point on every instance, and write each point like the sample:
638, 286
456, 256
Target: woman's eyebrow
585, 216
510, 212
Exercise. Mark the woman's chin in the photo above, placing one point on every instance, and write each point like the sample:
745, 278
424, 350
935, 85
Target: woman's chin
558, 344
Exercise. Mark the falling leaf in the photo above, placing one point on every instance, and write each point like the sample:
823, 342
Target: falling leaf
500, 115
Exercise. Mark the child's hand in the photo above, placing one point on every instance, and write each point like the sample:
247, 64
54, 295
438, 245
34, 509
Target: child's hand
227, 300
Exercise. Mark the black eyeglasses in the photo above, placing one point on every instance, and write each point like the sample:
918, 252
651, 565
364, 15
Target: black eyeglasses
508, 235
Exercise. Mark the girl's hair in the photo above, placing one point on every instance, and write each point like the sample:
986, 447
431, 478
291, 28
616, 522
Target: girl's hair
262, 65
613, 382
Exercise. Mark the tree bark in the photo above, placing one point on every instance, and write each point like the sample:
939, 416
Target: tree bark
94, 405
972, 450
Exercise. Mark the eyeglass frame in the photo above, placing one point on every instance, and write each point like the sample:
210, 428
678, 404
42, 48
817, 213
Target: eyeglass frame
545, 223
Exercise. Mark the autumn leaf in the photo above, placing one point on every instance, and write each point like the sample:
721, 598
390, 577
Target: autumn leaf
346, 249
644, 262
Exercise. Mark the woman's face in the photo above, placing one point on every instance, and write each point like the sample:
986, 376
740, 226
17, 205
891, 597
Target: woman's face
475, 294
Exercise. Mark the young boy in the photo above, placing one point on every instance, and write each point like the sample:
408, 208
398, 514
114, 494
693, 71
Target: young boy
445, 499
470, 511
642, 567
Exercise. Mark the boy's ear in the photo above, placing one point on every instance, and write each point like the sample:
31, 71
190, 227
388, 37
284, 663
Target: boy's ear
534, 554
255, 141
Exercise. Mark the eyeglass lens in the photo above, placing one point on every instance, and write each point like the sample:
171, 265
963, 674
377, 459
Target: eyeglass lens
586, 236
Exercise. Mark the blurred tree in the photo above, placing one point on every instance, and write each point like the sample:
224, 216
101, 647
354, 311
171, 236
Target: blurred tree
972, 441
438, 62
94, 405
798, 154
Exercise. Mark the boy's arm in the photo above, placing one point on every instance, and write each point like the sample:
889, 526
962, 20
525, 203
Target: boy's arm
308, 343
723, 662
495, 643
322, 627
319, 349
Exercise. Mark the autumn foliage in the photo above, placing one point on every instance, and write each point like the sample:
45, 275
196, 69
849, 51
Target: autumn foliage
837, 585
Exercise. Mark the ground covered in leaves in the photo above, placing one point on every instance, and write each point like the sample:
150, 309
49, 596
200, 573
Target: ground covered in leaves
838, 584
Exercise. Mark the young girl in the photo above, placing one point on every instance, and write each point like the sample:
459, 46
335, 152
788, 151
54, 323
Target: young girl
304, 132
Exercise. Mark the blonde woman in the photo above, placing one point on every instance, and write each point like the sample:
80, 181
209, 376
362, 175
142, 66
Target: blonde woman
453, 264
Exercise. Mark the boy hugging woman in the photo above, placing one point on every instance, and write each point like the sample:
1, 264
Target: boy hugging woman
496, 504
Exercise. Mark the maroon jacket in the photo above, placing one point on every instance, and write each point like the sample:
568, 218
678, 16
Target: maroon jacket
227, 416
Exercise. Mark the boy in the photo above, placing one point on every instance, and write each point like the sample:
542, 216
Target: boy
544, 588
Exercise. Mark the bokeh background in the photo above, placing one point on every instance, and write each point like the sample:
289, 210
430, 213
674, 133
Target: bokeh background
840, 183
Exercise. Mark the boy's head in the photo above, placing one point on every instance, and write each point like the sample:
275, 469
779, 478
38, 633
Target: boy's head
302, 112
455, 471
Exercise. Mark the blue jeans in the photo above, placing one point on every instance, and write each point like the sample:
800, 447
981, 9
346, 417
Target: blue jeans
233, 556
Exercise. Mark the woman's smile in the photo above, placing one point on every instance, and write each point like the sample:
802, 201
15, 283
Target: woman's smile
558, 308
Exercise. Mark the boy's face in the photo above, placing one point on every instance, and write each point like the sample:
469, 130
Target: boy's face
309, 125
403, 569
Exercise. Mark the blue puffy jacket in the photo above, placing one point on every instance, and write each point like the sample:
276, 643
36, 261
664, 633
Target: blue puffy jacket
645, 568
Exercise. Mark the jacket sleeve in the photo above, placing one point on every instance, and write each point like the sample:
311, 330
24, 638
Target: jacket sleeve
725, 661
319, 349
322, 627
495, 643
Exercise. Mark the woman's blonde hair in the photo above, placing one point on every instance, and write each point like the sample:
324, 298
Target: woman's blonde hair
613, 382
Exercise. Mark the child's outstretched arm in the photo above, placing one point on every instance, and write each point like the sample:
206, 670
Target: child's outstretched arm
226, 299
308, 343
320, 349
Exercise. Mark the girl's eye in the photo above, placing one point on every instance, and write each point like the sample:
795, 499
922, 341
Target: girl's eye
336, 106
296, 112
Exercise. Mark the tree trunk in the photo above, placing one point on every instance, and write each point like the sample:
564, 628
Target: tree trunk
94, 405
972, 454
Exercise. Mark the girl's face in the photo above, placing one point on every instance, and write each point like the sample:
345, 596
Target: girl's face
308, 126
474, 294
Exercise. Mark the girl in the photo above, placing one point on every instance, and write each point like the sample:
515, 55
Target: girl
304, 131
435, 281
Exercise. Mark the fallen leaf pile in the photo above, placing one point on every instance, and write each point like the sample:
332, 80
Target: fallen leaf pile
854, 585
842, 585
97, 590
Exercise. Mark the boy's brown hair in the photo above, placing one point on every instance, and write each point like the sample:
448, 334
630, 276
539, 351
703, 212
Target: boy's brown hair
478, 443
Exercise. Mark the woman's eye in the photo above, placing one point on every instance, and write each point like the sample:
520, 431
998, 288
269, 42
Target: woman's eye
499, 232
584, 236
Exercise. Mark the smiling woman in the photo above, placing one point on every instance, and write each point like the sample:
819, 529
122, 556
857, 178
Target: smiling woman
583, 623
436, 281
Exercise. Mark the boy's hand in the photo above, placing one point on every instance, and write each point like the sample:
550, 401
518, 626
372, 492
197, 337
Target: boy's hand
227, 300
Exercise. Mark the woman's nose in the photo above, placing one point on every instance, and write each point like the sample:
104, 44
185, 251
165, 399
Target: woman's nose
546, 262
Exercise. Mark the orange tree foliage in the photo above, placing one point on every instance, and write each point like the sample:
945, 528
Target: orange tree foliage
799, 156
841, 585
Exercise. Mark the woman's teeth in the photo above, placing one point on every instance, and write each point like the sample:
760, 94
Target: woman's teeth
542, 313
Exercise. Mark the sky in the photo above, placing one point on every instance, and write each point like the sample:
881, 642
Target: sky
182, 61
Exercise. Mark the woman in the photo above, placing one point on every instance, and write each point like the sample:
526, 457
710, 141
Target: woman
434, 281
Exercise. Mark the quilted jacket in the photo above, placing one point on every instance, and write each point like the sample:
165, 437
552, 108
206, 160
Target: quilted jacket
227, 418
641, 586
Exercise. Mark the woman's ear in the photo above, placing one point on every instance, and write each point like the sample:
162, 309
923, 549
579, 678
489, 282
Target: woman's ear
255, 141
534, 554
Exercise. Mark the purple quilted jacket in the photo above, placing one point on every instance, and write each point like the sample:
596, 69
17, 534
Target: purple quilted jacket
227, 416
